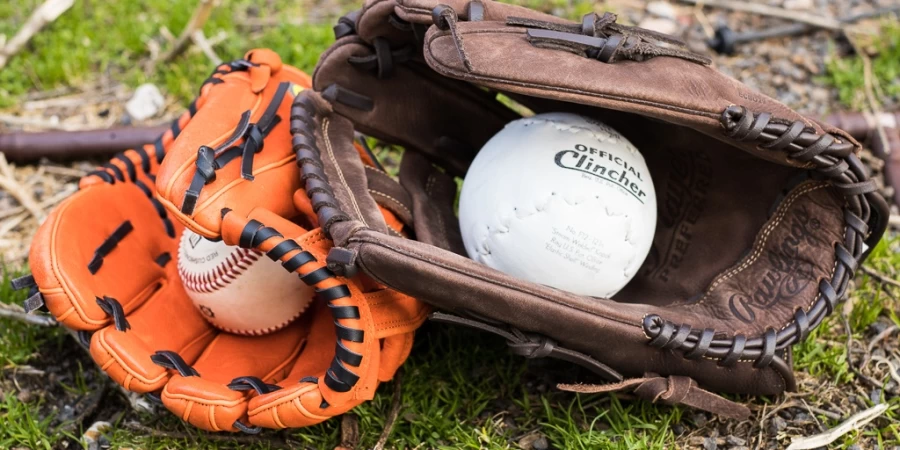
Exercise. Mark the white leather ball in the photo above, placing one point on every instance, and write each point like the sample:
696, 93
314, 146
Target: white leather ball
239, 290
561, 200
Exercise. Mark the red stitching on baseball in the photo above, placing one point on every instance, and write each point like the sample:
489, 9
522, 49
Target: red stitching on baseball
222, 275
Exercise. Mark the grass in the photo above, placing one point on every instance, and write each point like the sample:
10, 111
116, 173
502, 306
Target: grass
846, 74
461, 389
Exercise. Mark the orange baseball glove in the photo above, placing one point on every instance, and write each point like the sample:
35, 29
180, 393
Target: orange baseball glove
102, 263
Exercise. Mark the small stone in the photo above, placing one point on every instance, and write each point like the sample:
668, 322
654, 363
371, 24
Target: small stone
678, 429
540, 444
777, 425
875, 396
146, 102
735, 441
798, 5
854, 447
696, 441
699, 419
664, 10
820, 95
94, 434
878, 326
527, 441
24, 395
665, 26
710, 444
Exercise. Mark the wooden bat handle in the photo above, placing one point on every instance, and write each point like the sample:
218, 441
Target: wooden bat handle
24, 147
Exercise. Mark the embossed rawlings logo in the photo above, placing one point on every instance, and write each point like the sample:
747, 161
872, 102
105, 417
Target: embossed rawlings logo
603, 165
788, 274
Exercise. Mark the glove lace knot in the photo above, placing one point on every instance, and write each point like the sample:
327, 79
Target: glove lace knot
384, 58
114, 309
600, 37
173, 361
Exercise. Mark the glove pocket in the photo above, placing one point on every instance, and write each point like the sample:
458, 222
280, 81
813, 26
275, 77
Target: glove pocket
102, 252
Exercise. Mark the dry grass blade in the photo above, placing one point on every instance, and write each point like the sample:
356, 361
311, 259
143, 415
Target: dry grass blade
206, 47
772, 11
892, 369
9, 184
11, 312
878, 276
395, 411
854, 422
198, 19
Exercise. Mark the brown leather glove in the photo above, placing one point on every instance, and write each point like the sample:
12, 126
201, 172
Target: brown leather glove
764, 214
102, 264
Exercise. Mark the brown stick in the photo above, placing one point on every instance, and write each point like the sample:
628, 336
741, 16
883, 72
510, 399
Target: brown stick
861, 125
772, 11
66, 145
394, 413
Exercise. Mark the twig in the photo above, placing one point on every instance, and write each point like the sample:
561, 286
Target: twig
872, 103
49, 11
854, 422
87, 406
65, 171
880, 336
27, 370
395, 412
226, 438
10, 224
772, 11
9, 311
802, 403
708, 29
762, 420
205, 47
892, 369
9, 184
349, 432
58, 197
198, 19
260, 22
878, 276
894, 220
856, 371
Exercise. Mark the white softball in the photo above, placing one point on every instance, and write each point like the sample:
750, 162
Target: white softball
561, 200
239, 290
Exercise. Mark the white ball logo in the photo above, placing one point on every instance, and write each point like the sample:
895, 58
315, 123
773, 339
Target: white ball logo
561, 200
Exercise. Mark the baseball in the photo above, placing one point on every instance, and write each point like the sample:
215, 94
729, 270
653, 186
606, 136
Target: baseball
239, 290
561, 200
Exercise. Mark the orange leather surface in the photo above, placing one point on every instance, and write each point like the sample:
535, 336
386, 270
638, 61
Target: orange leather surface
387, 318
274, 168
156, 312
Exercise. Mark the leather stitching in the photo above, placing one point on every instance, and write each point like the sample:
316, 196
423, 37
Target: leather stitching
760, 245
337, 167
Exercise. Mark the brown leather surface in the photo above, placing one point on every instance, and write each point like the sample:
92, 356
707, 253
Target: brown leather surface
414, 106
762, 211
